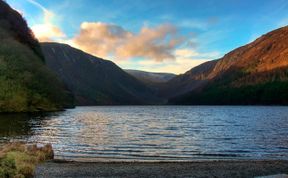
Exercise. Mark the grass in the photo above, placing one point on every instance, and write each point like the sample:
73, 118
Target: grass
18, 160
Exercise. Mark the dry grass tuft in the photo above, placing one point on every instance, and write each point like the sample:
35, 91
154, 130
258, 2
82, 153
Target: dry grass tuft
19, 160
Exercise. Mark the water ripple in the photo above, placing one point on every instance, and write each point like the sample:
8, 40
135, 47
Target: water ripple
156, 132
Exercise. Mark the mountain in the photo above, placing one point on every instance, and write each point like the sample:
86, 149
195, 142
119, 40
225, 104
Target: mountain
96, 81
256, 73
150, 77
26, 84
191, 80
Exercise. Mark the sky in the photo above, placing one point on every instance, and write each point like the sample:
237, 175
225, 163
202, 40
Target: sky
153, 35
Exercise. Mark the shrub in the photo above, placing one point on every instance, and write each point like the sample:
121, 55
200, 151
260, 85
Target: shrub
19, 160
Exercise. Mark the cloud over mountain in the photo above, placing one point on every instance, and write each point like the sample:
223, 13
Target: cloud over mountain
46, 31
102, 39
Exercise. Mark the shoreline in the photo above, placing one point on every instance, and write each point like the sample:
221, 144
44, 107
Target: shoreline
215, 168
165, 161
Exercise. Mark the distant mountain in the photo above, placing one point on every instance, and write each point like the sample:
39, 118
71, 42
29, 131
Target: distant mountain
256, 73
96, 81
191, 80
151, 77
26, 85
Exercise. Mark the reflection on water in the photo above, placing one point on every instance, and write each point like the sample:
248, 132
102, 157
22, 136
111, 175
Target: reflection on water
156, 132
14, 125
18, 126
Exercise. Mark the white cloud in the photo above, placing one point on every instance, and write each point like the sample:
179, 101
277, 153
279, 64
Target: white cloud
102, 39
186, 53
186, 59
114, 42
46, 31
158, 47
178, 66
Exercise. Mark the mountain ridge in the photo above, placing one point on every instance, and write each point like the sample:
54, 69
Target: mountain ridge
95, 81
26, 84
152, 79
257, 63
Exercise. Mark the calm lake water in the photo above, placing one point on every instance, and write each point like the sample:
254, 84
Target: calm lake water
139, 133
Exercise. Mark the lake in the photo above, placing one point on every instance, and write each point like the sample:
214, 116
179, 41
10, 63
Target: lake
155, 133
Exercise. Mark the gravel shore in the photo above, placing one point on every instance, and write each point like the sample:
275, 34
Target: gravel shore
201, 169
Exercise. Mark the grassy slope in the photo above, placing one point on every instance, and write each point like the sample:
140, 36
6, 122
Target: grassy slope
26, 85
242, 89
256, 73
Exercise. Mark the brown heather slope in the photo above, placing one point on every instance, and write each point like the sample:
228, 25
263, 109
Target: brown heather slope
261, 62
267, 53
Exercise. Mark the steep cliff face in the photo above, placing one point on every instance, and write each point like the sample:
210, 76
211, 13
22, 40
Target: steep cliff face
258, 70
95, 81
26, 85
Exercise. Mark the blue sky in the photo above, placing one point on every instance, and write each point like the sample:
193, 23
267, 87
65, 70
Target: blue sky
160, 35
